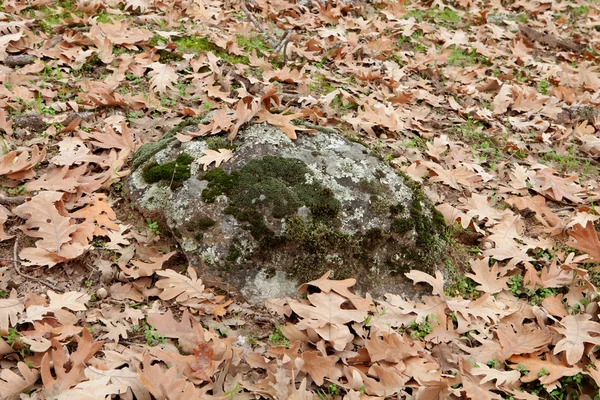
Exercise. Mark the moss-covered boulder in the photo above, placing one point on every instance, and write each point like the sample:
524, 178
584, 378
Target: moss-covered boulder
283, 212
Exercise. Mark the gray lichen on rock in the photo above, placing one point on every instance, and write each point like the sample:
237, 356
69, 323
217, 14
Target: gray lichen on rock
295, 209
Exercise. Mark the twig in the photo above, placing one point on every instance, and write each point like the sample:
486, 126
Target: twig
12, 201
33, 278
19, 60
284, 41
272, 41
550, 40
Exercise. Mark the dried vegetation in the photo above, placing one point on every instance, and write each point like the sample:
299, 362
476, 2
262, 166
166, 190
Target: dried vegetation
493, 105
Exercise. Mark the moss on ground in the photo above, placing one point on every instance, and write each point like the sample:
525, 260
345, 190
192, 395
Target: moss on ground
200, 44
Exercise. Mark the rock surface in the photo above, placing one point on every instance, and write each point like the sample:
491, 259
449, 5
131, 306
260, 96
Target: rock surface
283, 212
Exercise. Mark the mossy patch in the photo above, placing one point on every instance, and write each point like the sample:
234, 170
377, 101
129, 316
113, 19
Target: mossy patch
380, 204
174, 173
147, 150
200, 224
275, 188
200, 44
272, 182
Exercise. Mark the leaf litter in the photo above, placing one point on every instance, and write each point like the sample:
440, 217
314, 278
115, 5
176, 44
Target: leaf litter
492, 106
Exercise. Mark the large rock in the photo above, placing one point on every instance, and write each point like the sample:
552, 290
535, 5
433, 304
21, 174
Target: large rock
283, 212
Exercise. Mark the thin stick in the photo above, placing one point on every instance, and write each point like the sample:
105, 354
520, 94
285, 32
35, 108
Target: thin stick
284, 41
33, 278
272, 41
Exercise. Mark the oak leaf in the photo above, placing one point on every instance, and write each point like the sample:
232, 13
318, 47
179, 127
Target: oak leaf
162, 77
547, 371
217, 156
437, 283
282, 122
46, 220
124, 377
586, 240
189, 333
13, 384
146, 269
325, 308
9, 311
67, 369
577, 331
18, 165
319, 367
165, 383
489, 280
180, 287
554, 187
340, 287
519, 339
4, 214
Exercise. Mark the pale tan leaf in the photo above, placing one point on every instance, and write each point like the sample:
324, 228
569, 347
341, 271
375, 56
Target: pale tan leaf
437, 283
18, 165
162, 77
9, 312
576, 332
13, 384
283, 122
4, 214
146, 269
180, 287
489, 280
217, 156
125, 377
44, 221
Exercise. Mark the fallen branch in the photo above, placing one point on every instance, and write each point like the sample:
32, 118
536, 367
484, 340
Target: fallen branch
549, 40
19, 61
13, 201
33, 278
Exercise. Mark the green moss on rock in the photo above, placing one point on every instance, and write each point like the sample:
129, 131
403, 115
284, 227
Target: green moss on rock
173, 173
274, 182
147, 150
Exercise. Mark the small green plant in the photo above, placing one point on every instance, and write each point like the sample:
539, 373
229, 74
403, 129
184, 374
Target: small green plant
16, 191
543, 86
153, 226
460, 285
522, 369
277, 338
494, 363
151, 336
580, 11
418, 331
516, 286
89, 283
3, 294
236, 390
332, 390
543, 372
12, 337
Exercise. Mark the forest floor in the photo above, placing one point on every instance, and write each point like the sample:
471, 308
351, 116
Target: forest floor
491, 105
